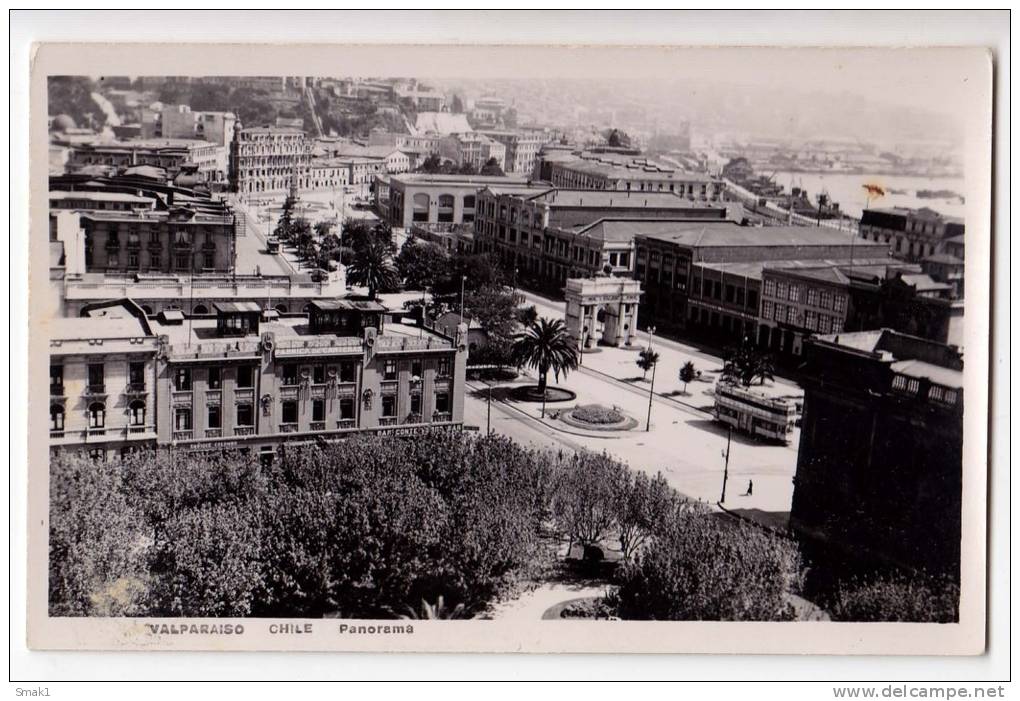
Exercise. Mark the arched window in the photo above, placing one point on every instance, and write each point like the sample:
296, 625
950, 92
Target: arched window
282, 308
56, 417
420, 207
97, 415
446, 208
200, 309
136, 413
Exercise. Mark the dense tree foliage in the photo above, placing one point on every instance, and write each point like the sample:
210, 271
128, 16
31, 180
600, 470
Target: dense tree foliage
899, 598
367, 527
72, 95
696, 568
422, 264
372, 267
687, 374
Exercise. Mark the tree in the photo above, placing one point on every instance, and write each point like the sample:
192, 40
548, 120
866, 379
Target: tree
467, 168
432, 164
589, 488
456, 104
422, 263
647, 359
545, 346
897, 598
695, 568
372, 267
526, 316
617, 138
495, 308
687, 374
746, 363
324, 229
478, 269
492, 167
645, 502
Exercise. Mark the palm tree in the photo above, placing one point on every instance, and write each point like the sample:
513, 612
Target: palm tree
372, 266
647, 359
747, 363
545, 345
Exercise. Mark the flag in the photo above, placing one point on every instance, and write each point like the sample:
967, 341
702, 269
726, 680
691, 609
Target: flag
874, 190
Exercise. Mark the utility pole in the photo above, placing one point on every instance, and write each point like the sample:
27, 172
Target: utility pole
488, 410
651, 386
726, 465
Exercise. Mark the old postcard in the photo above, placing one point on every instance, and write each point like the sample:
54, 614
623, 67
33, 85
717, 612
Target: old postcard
509, 348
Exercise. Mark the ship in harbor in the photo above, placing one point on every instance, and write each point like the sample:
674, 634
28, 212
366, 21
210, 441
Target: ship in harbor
800, 203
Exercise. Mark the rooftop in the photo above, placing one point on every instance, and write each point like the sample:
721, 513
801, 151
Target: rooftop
617, 198
705, 234
101, 196
907, 355
829, 270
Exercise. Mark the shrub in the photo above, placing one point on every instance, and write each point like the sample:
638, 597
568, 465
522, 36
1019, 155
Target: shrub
597, 414
897, 598
697, 568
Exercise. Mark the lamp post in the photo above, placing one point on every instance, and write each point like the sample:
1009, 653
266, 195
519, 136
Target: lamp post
651, 385
463, 279
488, 409
726, 464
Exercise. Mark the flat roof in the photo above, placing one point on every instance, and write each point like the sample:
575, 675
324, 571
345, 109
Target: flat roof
97, 327
466, 179
556, 197
707, 234
100, 196
825, 269
935, 373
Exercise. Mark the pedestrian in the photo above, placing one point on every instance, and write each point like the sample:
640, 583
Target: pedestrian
750, 488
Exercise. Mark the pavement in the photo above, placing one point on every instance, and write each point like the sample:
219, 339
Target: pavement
531, 605
683, 442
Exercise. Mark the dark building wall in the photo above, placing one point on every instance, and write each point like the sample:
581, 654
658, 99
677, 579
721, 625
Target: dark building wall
879, 472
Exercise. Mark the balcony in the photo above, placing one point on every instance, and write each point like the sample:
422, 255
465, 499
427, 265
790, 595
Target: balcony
388, 421
56, 390
134, 245
95, 390
289, 428
345, 423
181, 397
139, 429
183, 435
56, 433
214, 433
112, 245
244, 431
182, 245
441, 416
135, 388
317, 426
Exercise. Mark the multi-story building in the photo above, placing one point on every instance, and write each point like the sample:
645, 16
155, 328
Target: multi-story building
472, 149
175, 240
552, 234
522, 149
705, 277
610, 171
179, 122
879, 470
172, 155
269, 160
328, 174
103, 380
948, 269
912, 234
244, 379
443, 201
817, 298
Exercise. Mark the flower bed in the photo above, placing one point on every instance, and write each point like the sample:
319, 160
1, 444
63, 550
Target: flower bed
597, 418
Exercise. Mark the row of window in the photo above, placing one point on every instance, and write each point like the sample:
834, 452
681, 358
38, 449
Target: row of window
816, 297
813, 321
291, 374
936, 393
97, 377
96, 415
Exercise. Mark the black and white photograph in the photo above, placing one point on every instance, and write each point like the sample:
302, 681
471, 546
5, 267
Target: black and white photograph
356, 346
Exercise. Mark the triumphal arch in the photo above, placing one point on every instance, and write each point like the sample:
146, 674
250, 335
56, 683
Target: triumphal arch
602, 310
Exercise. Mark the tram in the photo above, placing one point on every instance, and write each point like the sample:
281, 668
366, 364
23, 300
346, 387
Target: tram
754, 413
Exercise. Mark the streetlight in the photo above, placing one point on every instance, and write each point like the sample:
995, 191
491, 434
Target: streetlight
463, 279
651, 386
726, 465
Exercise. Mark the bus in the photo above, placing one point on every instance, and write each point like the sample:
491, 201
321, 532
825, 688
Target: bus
754, 413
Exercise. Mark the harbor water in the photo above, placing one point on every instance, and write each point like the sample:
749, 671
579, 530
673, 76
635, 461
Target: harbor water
901, 190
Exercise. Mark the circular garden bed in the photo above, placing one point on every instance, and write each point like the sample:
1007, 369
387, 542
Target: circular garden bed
597, 418
530, 393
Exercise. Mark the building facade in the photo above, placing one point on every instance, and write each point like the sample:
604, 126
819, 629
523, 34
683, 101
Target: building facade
172, 155
879, 470
521, 149
243, 379
600, 171
269, 160
912, 234
707, 277
439, 200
